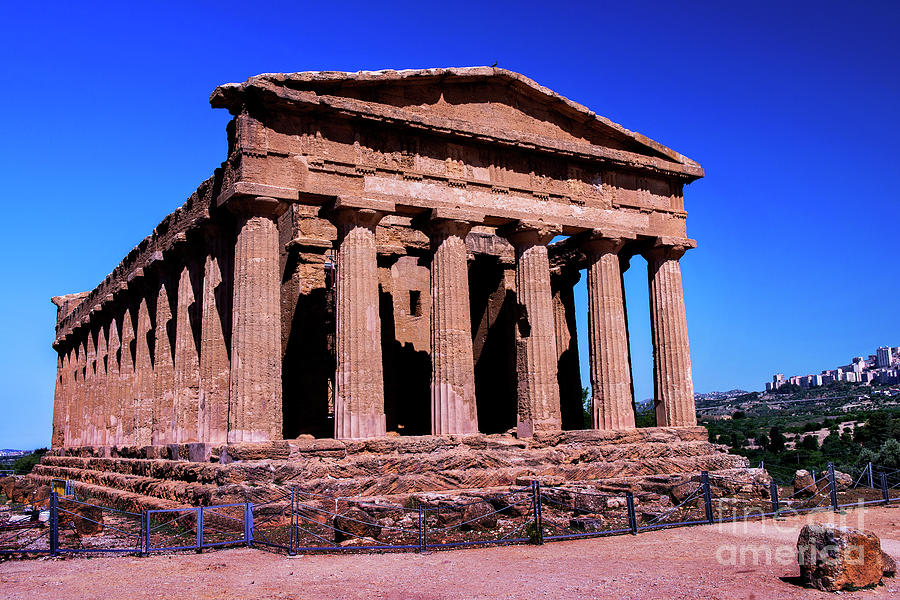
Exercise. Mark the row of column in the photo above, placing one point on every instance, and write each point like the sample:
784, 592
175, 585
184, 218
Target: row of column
137, 376
112, 393
359, 397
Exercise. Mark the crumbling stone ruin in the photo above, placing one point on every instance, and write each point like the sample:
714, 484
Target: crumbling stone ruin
374, 258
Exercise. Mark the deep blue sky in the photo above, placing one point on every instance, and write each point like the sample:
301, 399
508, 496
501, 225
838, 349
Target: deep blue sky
792, 109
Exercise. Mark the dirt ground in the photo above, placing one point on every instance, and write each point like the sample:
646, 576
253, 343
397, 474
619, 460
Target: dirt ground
739, 560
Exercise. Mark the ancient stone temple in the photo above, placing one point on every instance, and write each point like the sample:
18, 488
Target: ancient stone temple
381, 254
376, 254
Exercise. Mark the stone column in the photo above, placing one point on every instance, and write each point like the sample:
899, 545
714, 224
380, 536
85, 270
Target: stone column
612, 402
187, 365
125, 428
99, 408
255, 384
143, 379
90, 385
163, 370
674, 395
57, 435
536, 357
113, 403
453, 408
567, 364
215, 365
359, 378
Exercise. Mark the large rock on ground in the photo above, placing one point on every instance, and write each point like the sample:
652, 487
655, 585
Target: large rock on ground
6, 486
804, 484
839, 558
22, 490
842, 482
355, 523
86, 517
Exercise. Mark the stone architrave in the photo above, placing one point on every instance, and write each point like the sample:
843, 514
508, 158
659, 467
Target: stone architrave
674, 396
359, 379
453, 408
255, 383
113, 397
187, 365
163, 371
612, 402
215, 364
536, 356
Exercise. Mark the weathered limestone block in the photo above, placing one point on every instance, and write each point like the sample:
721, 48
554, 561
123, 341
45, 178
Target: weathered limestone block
453, 407
839, 558
804, 484
611, 402
668, 326
355, 523
86, 517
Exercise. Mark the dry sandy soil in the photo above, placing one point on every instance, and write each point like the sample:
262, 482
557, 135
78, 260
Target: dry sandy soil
741, 560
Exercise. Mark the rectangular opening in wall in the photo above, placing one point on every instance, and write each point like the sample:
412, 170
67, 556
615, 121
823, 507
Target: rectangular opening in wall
415, 303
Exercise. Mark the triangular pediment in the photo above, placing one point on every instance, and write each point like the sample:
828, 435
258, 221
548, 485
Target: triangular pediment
488, 98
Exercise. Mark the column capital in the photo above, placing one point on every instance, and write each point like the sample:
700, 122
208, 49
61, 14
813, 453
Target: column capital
669, 248
440, 228
525, 234
601, 241
257, 206
359, 212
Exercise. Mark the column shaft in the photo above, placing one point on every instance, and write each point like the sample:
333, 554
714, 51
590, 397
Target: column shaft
113, 402
671, 350
125, 428
58, 434
359, 379
536, 356
255, 386
143, 379
163, 372
453, 408
611, 405
215, 364
187, 365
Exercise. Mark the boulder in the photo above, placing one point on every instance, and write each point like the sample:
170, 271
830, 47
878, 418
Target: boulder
683, 490
890, 565
22, 490
839, 558
85, 517
6, 486
355, 523
804, 484
40, 497
478, 516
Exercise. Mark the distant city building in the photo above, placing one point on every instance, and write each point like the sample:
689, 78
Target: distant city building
878, 368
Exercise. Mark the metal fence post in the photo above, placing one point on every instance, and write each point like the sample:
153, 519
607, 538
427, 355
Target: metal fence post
248, 524
145, 533
884, 488
632, 518
423, 528
199, 528
538, 516
773, 493
871, 477
707, 496
833, 486
54, 523
292, 544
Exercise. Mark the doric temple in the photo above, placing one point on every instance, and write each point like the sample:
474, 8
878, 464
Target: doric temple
387, 253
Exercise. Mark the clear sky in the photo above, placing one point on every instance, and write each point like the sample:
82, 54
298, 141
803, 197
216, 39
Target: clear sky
791, 107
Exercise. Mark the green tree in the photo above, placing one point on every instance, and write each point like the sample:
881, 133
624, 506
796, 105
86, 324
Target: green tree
776, 440
24, 465
810, 442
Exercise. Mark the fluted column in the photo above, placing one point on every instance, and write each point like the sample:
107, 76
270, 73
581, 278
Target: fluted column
359, 378
255, 386
113, 402
674, 387
90, 385
611, 403
187, 365
58, 434
567, 364
163, 370
98, 410
536, 357
215, 364
453, 408
143, 379
125, 428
